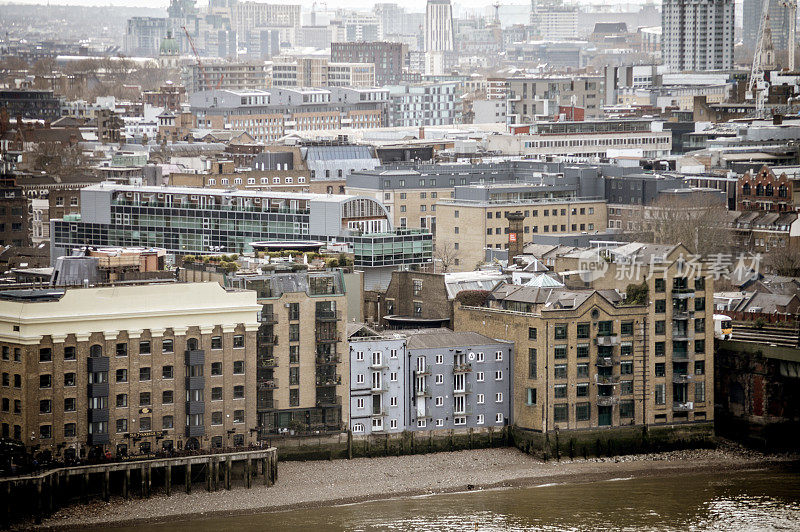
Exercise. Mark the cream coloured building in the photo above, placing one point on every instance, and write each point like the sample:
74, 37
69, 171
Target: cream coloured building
128, 369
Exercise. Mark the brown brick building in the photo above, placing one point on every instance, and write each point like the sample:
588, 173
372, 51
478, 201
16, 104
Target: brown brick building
128, 369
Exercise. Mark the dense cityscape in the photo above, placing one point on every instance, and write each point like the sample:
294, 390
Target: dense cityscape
250, 251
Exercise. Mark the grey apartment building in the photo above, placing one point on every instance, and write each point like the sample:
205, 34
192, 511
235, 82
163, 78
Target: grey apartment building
429, 380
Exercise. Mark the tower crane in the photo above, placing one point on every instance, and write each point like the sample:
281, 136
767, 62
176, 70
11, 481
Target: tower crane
200, 63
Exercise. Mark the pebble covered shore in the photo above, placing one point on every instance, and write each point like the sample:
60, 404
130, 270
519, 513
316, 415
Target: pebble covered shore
309, 484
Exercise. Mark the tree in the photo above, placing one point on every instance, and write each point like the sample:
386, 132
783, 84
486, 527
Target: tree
446, 254
699, 221
784, 261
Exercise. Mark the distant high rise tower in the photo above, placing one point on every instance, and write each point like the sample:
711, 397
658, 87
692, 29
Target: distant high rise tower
697, 34
439, 26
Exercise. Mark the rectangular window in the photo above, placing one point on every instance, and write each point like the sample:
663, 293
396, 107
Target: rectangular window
699, 392
167, 372
70, 430
45, 381
561, 413
660, 285
216, 393
122, 425
660, 369
661, 306
560, 351
69, 379
560, 371
582, 370
531, 396
294, 332
122, 400
238, 367
167, 422
216, 369
294, 376
700, 346
532, 363
531, 333
238, 392
700, 367
166, 346
605, 328
626, 409
582, 350
144, 347
238, 341
582, 411
69, 353
660, 326
626, 388
216, 418
294, 397
560, 391
167, 397
700, 325
70, 404
216, 342
294, 354
699, 303
498, 397
660, 394
560, 331
144, 374
122, 350
238, 416
144, 398
45, 354
583, 330
626, 368
660, 349
582, 390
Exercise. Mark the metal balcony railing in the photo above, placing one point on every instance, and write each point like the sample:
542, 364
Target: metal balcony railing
268, 384
607, 400
607, 361
462, 368
268, 362
606, 380
681, 378
328, 315
329, 380
322, 360
677, 406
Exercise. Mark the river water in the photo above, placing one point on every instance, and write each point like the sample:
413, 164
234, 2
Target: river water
736, 501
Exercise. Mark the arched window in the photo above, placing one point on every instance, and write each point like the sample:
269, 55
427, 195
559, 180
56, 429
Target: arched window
96, 351
746, 189
769, 190
782, 191
191, 344
759, 189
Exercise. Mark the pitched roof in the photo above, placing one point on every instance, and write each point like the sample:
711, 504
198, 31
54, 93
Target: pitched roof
441, 338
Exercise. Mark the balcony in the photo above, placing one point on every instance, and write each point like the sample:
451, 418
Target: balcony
98, 439
98, 389
679, 356
467, 388
380, 412
268, 362
462, 368
682, 314
329, 359
378, 365
463, 412
677, 406
272, 339
681, 378
195, 383
328, 315
329, 401
329, 380
382, 387
195, 407
606, 380
328, 337
195, 357
682, 335
195, 431
607, 362
97, 364
269, 318
97, 415
607, 340
682, 293
267, 384
607, 400
425, 370
422, 392
267, 404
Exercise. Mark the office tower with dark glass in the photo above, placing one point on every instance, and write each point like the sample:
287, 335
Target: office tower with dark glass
188, 221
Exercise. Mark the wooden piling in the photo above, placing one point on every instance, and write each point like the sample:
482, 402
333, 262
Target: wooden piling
168, 479
228, 464
39, 502
126, 484
247, 473
85, 487
106, 485
187, 477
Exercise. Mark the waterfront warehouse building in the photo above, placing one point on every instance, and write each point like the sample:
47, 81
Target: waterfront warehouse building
302, 375
190, 221
128, 369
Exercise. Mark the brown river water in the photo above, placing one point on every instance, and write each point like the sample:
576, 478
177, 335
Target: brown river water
735, 501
